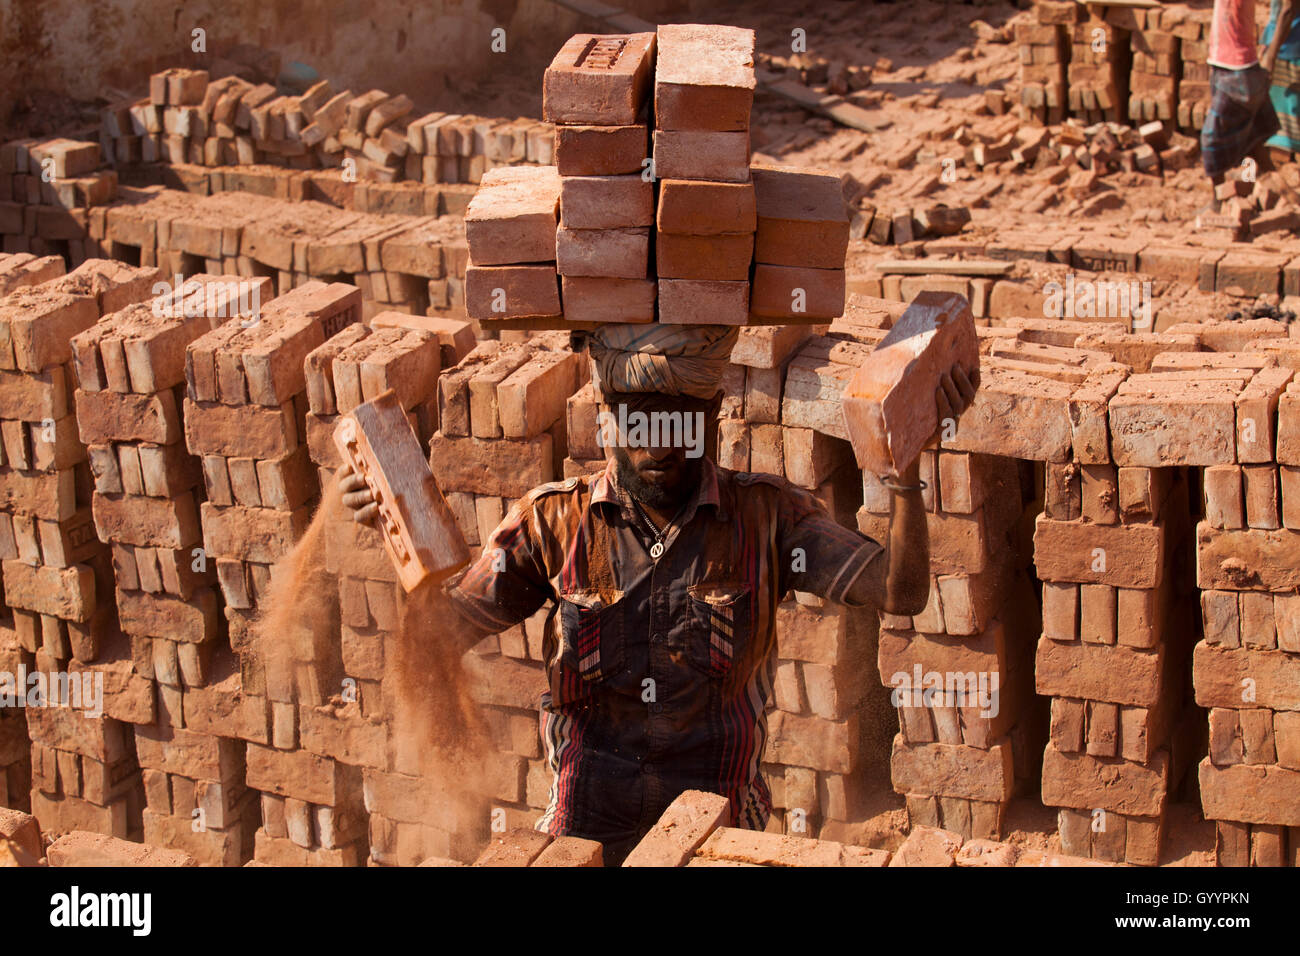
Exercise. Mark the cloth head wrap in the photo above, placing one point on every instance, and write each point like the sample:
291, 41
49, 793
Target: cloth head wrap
670, 359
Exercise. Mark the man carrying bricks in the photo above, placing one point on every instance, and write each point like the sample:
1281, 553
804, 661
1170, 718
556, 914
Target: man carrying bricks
1241, 117
664, 572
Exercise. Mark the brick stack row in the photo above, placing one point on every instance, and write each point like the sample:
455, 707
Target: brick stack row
412, 263
1244, 669
148, 492
1193, 30
1044, 55
454, 148
1099, 68
596, 91
189, 119
47, 189
703, 94
1153, 82
245, 417
58, 577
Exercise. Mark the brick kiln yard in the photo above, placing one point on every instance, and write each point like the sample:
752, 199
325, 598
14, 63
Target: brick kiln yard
1115, 525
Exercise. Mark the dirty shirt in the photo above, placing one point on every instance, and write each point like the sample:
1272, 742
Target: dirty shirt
659, 671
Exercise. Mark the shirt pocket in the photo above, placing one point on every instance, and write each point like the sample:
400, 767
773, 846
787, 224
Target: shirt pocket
721, 620
591, 632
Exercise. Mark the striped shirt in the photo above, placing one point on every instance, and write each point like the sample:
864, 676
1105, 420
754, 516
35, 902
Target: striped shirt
659, 671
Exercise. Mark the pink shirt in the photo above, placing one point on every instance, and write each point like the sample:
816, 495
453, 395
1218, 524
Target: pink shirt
1232, 35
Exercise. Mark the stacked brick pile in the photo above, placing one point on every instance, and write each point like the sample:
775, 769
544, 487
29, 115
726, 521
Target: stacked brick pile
502, 432
58, 578
1244, 667
960, 756
411, 263
245, 417
352, 728
1099, 66
148, 490
21, 269
703, 92
189, 119
1044, 55
1153, 82
47, 189
1192, 27
729, 248
596, 94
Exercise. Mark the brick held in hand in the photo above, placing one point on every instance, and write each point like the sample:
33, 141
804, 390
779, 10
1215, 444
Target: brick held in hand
801, 217
704, 77
598, 80
889, 403
512, 217
419, 529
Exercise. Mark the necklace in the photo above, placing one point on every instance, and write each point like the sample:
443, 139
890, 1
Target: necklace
656, 549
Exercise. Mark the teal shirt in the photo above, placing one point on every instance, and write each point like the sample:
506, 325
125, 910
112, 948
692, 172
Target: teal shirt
1290, 49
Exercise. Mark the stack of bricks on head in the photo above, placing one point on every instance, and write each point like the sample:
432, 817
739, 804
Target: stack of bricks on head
652, 212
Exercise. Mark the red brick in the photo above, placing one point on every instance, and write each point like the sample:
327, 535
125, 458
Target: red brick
1250, 794
688, 207
889, 402
1115, 673
601, 150
953, 770
704, 77
606, 202
724, 257
1084, 782
683, 828
697, 154
598, 80
1118, 555
512, 217
703, 302
512, 292
602, 253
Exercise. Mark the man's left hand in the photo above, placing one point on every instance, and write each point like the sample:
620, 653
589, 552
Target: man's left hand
955, 393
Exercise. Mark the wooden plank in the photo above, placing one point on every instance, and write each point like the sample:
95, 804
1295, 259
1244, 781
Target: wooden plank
951, 267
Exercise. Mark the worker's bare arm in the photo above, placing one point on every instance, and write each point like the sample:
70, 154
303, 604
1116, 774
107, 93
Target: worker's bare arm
902, 572
444, 612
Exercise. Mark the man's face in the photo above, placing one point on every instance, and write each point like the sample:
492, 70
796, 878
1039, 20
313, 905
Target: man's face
660, 455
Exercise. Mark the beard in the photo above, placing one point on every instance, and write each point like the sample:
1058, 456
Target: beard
653, 494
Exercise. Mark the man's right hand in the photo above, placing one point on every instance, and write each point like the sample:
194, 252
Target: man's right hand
357, 497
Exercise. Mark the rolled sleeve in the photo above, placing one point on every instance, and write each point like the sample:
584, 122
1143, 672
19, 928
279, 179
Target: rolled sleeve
508, 581
818, 554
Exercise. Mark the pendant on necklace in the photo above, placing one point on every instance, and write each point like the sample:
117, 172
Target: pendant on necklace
656, 550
